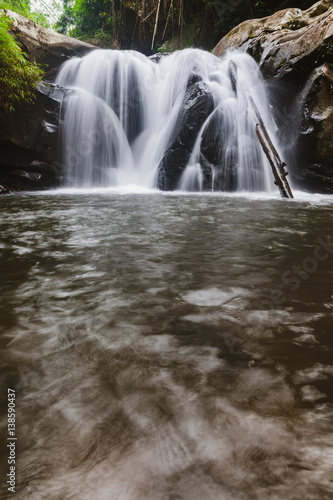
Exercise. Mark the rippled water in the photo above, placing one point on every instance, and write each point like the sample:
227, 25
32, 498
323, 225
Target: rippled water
164, 347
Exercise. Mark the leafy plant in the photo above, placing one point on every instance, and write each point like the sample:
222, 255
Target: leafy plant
18, 76
23, 7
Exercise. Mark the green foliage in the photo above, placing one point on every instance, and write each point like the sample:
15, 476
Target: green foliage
83, 18
23, 7
103, 39
329, 48
67, 18
18, 76
20, 6
110, 22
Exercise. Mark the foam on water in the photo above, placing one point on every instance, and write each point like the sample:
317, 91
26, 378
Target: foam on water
213, 296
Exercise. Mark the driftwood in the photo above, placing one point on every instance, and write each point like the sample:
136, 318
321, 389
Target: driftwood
277, 165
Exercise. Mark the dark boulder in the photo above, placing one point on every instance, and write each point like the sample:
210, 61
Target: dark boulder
197, 106
220, 172
316, 131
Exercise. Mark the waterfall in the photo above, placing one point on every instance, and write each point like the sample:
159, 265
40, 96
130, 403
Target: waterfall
181, 123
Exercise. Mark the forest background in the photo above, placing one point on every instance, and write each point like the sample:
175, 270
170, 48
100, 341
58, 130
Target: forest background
144, 25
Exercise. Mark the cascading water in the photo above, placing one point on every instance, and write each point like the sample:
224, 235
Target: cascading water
125, 113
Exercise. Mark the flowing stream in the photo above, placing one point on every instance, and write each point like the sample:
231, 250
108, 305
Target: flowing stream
168, 346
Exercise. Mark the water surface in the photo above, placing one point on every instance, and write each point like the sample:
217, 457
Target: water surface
168, 346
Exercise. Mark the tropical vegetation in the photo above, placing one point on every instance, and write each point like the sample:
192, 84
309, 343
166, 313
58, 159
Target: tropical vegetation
145, 25
148, 24
18, 76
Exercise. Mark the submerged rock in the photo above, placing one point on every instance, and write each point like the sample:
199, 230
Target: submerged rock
296, 46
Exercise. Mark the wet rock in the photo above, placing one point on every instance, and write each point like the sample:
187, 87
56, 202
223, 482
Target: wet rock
3, 190
28, 176
29, 142
156, 58
218, 175
43, 168
296, 46
197, 106
316, 130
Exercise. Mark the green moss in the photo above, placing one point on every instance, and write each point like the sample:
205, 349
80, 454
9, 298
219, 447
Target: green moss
232, 32
282, 63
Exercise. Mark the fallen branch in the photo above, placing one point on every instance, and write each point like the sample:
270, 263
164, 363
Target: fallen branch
277, 165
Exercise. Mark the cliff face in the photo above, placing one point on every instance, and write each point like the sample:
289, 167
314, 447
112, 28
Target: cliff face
296, 48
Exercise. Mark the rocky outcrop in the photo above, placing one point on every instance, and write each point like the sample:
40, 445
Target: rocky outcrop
290, 40
296, 46
197, 106
315, 101
29, 143
46, 47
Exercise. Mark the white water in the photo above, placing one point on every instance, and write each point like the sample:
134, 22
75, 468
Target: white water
119, 120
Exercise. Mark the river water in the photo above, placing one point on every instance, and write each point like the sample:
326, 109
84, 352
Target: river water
168, 346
